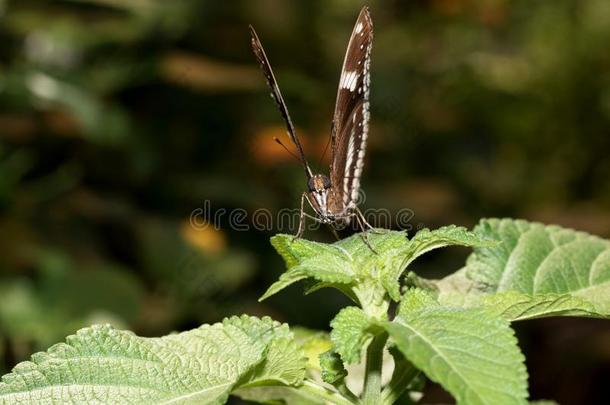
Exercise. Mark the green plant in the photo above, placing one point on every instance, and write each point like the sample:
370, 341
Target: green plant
455, 331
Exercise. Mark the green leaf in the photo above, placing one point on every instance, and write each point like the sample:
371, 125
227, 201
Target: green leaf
351, 331
313, 286
332, 367
537, 259
516, 306
308, 393
328, 263
351, 262
102, 364
382, 241
278, 396
457, 282
399, 258
284, 362
473, 354
415, 299
313, 343
286, 279
294, 250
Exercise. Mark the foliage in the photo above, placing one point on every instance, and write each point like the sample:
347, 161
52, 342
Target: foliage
471, 352
466, 345
200, 366
119, 119
536, 271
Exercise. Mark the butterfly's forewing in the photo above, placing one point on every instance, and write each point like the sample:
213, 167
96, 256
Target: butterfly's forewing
259, 52
351, 118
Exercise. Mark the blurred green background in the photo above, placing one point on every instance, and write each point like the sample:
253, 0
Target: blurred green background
120, 118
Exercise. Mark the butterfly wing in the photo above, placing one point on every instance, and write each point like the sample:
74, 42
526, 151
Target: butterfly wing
351, 118
259, 52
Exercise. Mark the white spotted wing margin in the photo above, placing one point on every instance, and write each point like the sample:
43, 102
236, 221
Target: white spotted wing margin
350, 124
259, 52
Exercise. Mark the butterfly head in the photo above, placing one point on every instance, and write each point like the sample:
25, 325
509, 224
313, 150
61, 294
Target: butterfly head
319, 189
318, 183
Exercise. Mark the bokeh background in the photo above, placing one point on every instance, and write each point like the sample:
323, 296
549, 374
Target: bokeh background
120, 118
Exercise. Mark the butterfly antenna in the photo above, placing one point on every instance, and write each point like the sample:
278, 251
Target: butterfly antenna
259, 52
286, 149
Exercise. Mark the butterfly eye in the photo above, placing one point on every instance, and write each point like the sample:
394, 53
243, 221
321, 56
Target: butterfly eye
311, 185
326, 182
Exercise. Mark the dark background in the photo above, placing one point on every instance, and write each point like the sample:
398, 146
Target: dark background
119, 119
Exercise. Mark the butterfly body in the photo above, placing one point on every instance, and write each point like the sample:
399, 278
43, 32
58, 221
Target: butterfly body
325, 201
334, 197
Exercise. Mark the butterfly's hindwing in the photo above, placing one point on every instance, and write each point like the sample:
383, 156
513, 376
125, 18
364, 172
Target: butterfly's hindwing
351, 118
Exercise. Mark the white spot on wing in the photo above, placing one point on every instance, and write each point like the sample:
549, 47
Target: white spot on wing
358, 28
348, 165
349, 79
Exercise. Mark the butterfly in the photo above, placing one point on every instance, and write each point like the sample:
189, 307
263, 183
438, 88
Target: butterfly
334, 197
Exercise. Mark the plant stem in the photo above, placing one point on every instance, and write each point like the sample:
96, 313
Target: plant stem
374, 362
404, 373
317, 391
346, 392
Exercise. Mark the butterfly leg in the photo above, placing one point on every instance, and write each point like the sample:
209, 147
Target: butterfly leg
362, 220
364, 234
302, 216
334, 231
301, 219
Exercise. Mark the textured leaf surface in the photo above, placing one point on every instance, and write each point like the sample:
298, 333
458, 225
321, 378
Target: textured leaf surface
278, 395
104, 365
515, 306
313, 343
332, 367
286, 279
399, 258
350, 333
327, 263
470, 352
538, 259
347, 262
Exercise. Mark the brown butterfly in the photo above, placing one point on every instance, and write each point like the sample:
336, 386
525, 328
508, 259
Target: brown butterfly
334, 197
